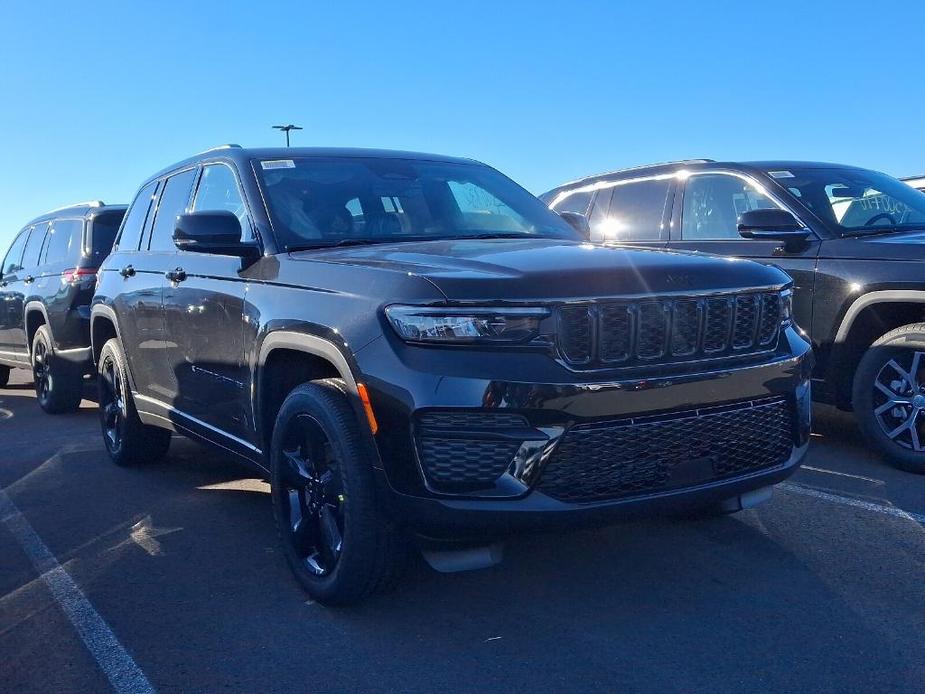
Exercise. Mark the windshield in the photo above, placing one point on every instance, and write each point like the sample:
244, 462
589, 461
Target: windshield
855, 201
316, 201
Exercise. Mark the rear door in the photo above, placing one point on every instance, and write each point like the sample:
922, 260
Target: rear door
705, 219
637, 212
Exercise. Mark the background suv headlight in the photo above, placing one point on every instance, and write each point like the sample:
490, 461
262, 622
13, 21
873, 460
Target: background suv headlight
450, 325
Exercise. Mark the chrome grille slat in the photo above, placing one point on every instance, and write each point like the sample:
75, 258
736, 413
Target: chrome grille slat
614, 333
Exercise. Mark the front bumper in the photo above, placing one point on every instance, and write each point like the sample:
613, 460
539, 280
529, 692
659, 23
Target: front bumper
517, 499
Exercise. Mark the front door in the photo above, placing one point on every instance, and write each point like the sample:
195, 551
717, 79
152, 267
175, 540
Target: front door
12, 314
708, 213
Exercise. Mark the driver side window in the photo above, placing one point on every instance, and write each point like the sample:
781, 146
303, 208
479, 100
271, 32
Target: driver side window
218, 190
713, 203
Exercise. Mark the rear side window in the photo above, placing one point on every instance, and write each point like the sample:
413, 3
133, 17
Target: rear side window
134, 225
34, 245
575, 202
102, 233
11, 263
173, 202
64, 243
636, 212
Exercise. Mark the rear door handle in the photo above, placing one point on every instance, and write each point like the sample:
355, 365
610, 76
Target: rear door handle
127, 271
177, 275
28, 279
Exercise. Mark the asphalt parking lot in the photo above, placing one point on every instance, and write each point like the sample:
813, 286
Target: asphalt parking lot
168, 577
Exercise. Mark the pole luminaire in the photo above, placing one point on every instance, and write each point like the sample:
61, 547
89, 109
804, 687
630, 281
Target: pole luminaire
286, 129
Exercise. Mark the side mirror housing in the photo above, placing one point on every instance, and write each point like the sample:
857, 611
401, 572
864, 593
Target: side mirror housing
217, 232
771, 225
578, 222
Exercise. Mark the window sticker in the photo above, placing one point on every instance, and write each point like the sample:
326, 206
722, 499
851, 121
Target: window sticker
780, 174
278, 164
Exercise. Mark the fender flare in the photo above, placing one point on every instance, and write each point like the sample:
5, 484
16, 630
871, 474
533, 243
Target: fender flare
310, 344
871, 298
31, 307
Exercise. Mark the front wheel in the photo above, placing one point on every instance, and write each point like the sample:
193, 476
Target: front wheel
128, 440
337, 542
889, 397
4, 375
58, 384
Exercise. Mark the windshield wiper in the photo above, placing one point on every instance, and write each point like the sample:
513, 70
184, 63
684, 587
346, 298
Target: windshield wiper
499, 235
880, 231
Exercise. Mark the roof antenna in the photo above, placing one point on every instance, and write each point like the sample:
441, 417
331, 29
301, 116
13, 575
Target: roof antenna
286, 129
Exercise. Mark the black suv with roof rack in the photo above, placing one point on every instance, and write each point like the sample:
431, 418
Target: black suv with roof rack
47, 281
852, 239
407, 342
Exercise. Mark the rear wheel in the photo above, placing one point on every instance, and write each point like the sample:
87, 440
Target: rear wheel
128, 440
58, 383
889, 397
4, 375
334, 537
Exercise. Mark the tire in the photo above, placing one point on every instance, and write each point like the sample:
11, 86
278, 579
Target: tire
4, 375
892, 371
335, 539
58, 383
128, 441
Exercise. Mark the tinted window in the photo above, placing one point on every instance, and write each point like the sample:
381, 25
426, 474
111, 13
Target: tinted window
317, 202
14, 255
574, 202
173, 202
64, 241
599, 212
713, 203
103, 229
636, 211
34, 246
134, 224
218, 190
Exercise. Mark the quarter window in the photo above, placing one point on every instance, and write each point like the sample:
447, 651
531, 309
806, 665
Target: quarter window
13, 256
64, 241
713, 203
134, 225
636, 212
173, 202
575, 202
218, 190
34, 246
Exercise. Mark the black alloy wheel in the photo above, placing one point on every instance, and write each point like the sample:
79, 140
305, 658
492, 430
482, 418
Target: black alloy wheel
112, 403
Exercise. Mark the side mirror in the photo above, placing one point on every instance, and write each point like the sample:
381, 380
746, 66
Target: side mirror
771, 225
578, 222
217, 232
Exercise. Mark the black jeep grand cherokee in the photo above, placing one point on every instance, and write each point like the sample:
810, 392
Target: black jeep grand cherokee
406, 342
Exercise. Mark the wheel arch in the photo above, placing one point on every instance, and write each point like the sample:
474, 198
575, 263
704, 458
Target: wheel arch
35, 316
866, 319
103, 326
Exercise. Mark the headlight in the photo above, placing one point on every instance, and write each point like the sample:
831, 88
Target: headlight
461, 325
786, 307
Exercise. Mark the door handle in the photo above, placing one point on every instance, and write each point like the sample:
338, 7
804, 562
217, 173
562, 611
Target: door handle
127, 271
177, 275
28, 279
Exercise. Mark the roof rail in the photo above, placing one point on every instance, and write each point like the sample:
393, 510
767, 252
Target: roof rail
218, 147
912, 178
85, 203
680, 162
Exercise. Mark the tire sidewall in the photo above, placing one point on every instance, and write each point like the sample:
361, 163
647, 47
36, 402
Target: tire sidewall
63, 384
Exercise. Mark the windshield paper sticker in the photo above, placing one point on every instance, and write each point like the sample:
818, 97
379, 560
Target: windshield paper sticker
780, 174
278, 164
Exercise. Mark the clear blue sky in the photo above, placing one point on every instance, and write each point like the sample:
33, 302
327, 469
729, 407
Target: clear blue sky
96, 96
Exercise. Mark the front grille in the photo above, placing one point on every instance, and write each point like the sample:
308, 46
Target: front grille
653, 331
645, 455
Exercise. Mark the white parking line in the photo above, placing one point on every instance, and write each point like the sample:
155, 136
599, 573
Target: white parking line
115, 662
856, 503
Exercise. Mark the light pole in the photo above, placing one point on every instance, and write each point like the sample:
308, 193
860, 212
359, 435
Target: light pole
286, 129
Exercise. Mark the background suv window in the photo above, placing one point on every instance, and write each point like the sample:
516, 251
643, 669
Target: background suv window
133, 228
218, 190
713, 203
14, 255
172, 203
635, 214
64, 241
31, 256
575, 202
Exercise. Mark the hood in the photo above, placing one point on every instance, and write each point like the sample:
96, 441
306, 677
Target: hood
515, 269
904, 245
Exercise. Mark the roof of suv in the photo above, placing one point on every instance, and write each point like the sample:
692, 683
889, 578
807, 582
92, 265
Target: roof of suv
79, 209
243, 155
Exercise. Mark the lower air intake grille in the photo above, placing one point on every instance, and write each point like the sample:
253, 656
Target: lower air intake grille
617, 459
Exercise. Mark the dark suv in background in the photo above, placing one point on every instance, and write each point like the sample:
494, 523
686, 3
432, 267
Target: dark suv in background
407, 342
48, 276
852, 239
